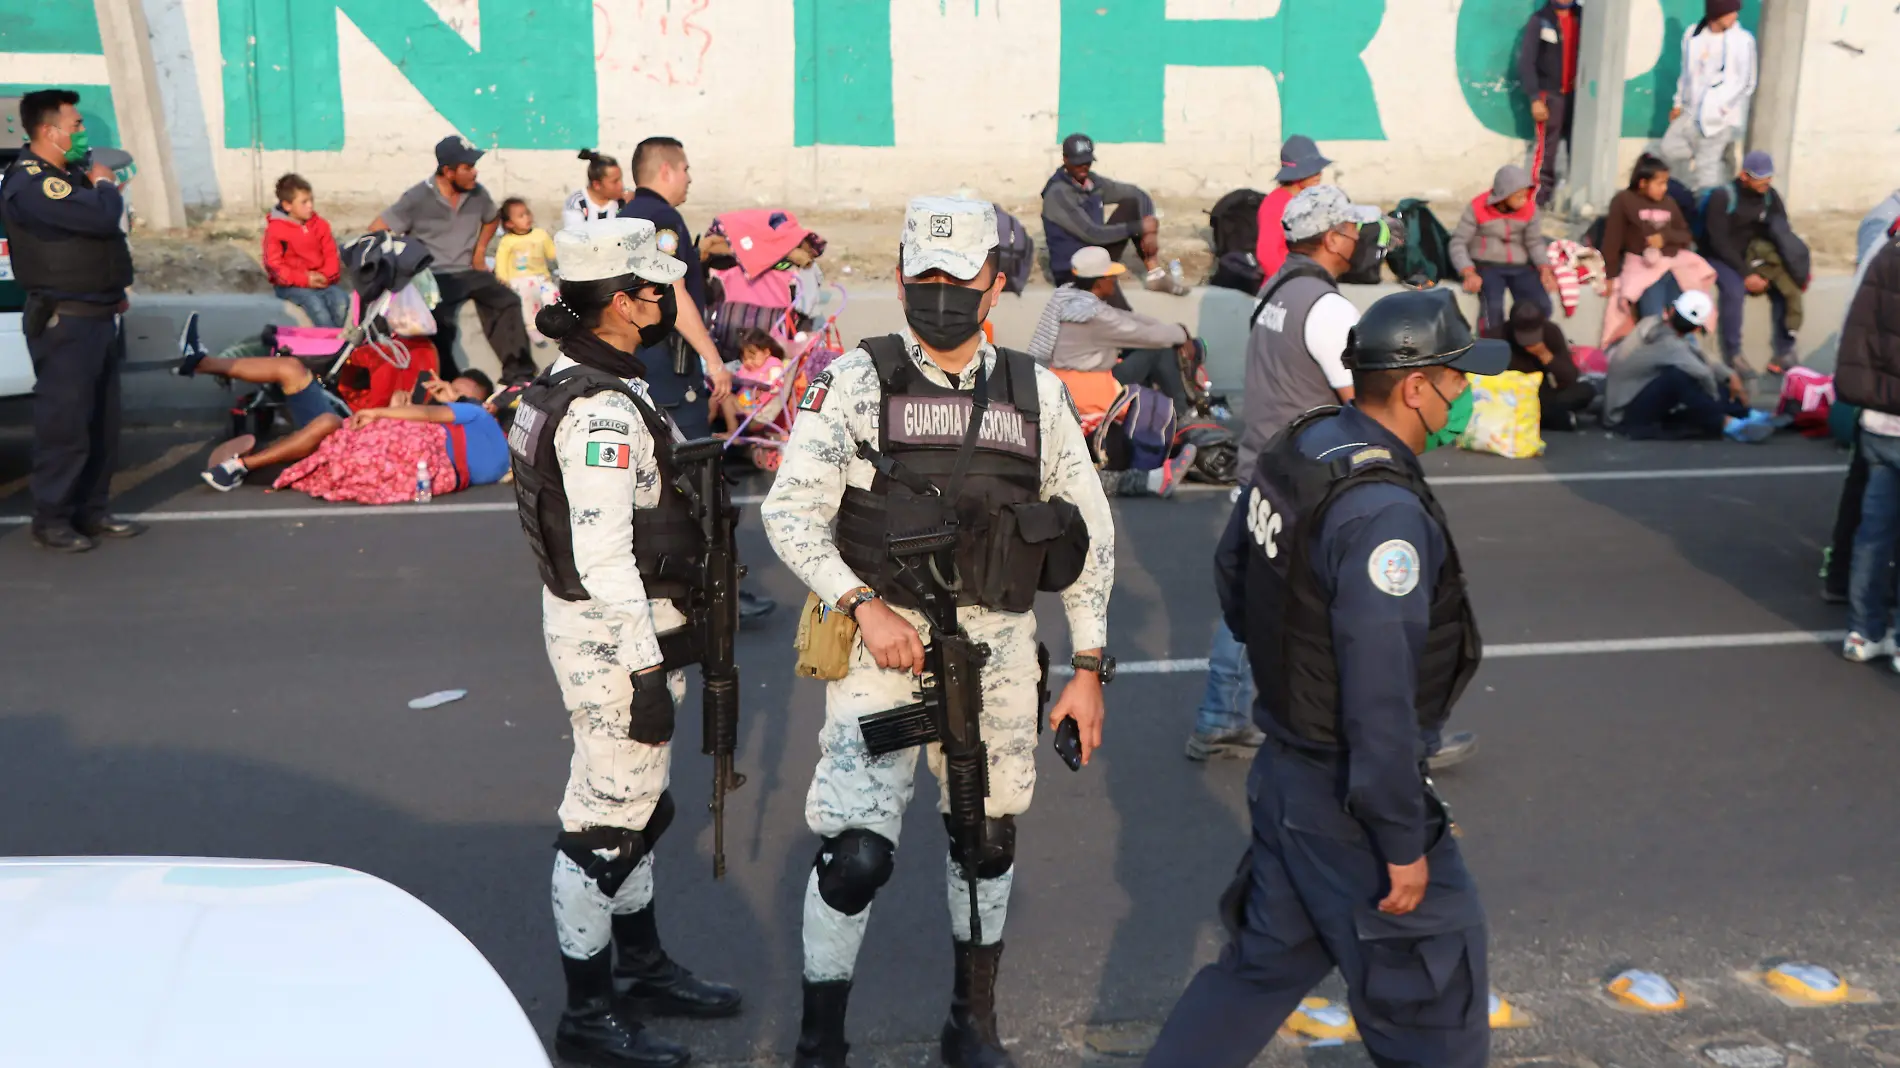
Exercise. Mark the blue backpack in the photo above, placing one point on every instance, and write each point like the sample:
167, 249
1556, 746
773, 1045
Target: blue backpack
1137, 433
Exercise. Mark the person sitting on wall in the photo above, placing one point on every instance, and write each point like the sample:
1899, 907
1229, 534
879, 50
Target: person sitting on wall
1500, 245
1755, 253
1301, 167
1074, 201
602, 197
1083, 330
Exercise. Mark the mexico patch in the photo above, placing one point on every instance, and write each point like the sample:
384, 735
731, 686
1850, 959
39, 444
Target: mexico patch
597, 425
607, 454
814, 398
1393, 567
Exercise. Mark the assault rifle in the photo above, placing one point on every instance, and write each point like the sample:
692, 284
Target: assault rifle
715, 615
952, 705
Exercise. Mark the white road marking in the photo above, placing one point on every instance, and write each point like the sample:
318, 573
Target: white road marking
332, 511
1543, 477
1195, 665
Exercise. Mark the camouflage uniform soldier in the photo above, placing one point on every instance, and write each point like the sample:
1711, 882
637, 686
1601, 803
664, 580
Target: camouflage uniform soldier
600, 511
908, 398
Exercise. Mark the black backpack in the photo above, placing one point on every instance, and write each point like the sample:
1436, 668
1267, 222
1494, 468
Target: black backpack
1426, 246
1015, 251
1235, 220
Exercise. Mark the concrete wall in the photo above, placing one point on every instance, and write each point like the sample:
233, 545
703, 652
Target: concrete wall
861, 102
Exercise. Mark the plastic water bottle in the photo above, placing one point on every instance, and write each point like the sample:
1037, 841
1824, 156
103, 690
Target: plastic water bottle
1174, 272
422, 482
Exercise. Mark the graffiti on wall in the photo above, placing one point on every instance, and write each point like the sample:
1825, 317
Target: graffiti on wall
661, 40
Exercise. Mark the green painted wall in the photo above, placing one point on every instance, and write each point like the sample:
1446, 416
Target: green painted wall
1488, 35
842, 66
532, 87
95, 105
49, 26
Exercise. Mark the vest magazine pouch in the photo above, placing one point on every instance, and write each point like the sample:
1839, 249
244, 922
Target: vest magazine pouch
1016, 552
824, 641
1067, 549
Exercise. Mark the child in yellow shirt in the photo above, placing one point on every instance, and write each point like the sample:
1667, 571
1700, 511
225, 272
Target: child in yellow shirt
524, 260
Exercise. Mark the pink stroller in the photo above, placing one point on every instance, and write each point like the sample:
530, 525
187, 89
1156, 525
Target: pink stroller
764, 430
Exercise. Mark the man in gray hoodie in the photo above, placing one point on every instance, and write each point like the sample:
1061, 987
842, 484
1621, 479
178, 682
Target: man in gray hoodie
1661, 386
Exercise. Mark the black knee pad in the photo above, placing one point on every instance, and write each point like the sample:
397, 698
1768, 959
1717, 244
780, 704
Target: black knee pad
851, 867
995, 850
581, 846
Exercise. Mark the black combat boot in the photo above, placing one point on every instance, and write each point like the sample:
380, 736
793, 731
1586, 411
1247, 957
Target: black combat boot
654, 984
969, 1036
595, 1031
821, 1041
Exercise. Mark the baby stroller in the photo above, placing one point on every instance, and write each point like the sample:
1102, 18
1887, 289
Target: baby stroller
763, 267
764, 430
385, 347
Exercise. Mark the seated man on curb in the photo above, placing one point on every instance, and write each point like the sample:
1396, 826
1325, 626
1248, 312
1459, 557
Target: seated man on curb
1755, 253
1081, 208
313, 419
1082, 329
1661, 386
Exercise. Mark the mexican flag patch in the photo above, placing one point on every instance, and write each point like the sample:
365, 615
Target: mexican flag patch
606, 454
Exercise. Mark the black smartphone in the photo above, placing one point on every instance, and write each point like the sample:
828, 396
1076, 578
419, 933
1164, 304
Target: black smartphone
420, 394
1068, 744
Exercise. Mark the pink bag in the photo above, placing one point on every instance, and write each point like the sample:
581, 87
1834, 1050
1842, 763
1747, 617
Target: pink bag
1804, 389
1590, 360
308, 342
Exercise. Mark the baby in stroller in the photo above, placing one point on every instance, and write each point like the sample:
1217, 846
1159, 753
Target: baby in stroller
756, 375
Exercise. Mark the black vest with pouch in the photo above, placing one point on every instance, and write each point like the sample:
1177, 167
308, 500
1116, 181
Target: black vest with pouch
1290, 627
921, 428
668, 545
68, 263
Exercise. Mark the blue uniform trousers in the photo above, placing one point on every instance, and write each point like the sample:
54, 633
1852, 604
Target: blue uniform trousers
76, 361
670, 389
1305, 902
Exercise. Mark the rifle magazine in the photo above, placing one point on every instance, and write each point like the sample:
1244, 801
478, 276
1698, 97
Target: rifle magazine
899, 729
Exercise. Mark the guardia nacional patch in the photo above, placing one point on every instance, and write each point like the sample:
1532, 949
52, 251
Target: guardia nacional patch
607, 454
56, 188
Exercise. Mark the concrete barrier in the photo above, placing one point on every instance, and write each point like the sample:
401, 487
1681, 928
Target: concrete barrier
1218, 315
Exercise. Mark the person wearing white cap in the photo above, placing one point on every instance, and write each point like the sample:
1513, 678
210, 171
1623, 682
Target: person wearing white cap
1660, 384
594, 482
900, 436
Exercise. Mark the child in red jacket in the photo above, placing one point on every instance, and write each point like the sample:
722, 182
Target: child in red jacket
300, 255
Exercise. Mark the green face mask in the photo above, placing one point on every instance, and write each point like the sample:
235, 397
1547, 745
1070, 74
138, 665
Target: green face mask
80, 146
1458, 416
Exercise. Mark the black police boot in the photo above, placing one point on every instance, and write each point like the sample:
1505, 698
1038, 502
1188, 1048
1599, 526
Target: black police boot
969, 1036
61, 538
110, 526
654, 984
821, 1041
596, 1031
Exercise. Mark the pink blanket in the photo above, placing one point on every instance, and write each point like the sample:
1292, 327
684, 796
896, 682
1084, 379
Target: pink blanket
1619, 311
374, 465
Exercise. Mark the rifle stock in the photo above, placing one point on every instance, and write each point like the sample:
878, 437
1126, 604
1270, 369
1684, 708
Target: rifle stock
715, 604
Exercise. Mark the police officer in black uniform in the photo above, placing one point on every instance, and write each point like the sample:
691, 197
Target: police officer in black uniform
681, 369
1338, 572
70, 254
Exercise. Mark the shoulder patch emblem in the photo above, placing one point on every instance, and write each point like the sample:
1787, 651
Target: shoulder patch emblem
1393, 567
814, 398
597, 425
668, 241
607, 454
1372, 454
56, 188
30, 167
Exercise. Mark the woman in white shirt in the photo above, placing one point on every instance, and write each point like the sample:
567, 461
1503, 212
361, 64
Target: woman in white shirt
606, 191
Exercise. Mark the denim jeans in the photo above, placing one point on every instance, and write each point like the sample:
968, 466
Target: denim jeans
1228, 702
1522, 281
326, 307
1732, 290
1869, 611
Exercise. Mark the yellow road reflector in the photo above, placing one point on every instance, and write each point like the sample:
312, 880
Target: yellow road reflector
1317, 1018
1504, 1014
1646, 991
1805, 982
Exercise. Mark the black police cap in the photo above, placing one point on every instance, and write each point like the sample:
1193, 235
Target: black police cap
1421, 328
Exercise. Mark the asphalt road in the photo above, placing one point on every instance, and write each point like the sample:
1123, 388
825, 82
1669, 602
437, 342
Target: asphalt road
238, 686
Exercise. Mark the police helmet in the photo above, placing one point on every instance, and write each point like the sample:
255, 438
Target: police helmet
1420, 328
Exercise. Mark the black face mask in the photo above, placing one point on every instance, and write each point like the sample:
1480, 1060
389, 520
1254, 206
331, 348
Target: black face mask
669, 313
942, 315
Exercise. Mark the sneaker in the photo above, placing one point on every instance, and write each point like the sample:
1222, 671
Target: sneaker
1240, 741
190, 350
1452, 749
1858, 649
1163, 480
1159, 281
226, 476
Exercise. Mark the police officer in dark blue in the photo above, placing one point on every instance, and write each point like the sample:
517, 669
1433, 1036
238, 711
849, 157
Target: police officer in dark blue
684, 372
70, 255
1338, 572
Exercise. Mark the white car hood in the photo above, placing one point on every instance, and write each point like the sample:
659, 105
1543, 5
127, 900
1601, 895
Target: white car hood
188, 963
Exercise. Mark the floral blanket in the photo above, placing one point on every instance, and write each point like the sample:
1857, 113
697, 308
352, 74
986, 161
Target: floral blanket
375, 465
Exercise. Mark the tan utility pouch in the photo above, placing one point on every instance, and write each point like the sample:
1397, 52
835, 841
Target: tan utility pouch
824, 641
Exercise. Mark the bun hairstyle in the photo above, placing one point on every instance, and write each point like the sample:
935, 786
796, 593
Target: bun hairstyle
581, 304
598, 164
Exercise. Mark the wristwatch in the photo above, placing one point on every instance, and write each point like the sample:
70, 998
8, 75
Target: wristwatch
848, 604
1101, 665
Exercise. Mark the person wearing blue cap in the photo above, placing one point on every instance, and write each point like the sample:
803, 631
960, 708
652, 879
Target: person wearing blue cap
1301, 167
1755, 253
1338, 571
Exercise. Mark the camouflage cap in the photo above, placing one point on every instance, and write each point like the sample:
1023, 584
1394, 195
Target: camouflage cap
609, 248
1320, 208
948, 234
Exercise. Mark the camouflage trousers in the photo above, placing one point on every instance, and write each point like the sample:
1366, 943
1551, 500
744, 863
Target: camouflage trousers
853, 789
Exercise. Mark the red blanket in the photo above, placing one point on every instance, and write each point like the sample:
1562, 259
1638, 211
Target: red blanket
376, 465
